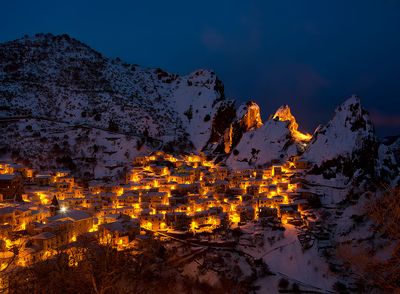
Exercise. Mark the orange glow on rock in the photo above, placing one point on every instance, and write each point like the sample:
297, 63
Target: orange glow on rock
284, 114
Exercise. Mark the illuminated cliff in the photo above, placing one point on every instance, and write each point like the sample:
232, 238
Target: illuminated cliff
284, 114
250, 117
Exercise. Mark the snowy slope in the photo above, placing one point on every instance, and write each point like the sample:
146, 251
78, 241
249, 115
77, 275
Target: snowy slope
261, 144
196, 103
59, 77
61, 84
88, 152
270, 142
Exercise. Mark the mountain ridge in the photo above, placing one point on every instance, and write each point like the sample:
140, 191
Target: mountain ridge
61, 78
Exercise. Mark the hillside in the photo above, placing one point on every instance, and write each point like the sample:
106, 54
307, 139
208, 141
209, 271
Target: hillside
49, 84
58, 77
57, 82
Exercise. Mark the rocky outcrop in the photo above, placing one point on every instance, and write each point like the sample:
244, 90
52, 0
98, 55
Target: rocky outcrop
229, 125
271, 143
284, 114
221, 137
261, 145
249, 116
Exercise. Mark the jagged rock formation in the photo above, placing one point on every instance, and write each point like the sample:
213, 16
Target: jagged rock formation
62, 104
249, 116
284, 114
230, 124
274, 141
261, 147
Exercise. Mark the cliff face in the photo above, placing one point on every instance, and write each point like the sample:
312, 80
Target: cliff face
229, 125
249, 116
284, 114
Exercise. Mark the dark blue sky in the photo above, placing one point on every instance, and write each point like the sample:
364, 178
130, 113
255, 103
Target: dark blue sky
308, 54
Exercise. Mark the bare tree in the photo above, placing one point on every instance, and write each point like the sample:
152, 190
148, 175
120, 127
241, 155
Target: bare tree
385, 274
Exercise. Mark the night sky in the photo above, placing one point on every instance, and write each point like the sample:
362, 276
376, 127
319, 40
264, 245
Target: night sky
309, 54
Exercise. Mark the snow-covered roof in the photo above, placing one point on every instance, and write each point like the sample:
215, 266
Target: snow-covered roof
73, 214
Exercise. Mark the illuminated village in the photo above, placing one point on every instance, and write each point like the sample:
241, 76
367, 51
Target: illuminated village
178, 196
155, 148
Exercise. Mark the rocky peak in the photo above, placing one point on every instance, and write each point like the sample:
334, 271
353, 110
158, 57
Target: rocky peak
349, 135
351, 115
249, 116
284, 114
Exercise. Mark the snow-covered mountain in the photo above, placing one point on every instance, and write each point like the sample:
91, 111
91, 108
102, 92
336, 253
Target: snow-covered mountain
348, 145
62, 104
58, 90
60, 78
59, 83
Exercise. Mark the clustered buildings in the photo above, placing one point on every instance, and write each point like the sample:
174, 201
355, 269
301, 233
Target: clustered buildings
41, 213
